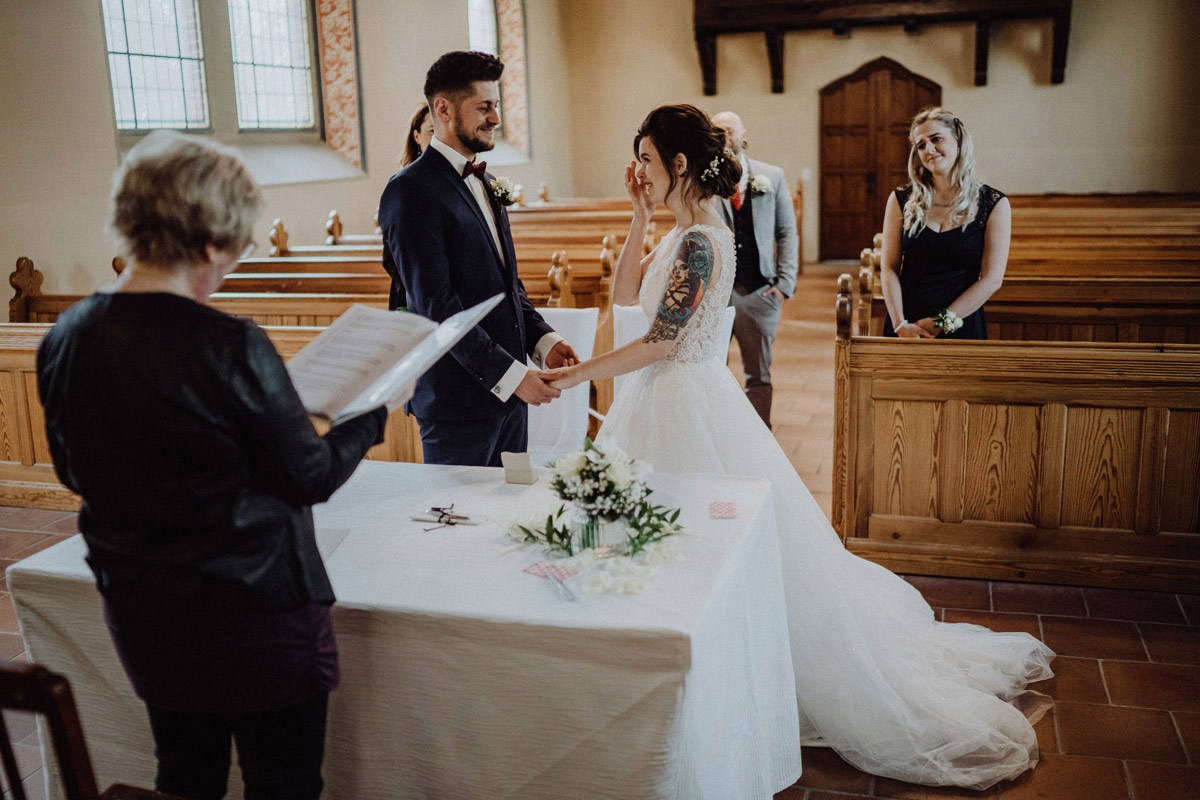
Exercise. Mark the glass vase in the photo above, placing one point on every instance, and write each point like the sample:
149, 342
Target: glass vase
606, 536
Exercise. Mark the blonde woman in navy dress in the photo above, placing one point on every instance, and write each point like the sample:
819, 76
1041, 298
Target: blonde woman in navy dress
945, 237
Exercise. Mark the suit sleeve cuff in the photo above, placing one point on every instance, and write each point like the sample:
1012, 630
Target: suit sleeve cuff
509, 381
544, 346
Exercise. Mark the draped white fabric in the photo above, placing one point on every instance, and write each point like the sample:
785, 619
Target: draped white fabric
558, 427
463, 677
894, 692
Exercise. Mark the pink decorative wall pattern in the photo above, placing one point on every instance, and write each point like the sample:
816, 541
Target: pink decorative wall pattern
339, 78
510, 14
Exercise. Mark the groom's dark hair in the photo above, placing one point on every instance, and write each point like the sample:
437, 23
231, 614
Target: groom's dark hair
452, 75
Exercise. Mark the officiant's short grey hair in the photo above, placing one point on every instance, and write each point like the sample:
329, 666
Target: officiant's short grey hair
174, 194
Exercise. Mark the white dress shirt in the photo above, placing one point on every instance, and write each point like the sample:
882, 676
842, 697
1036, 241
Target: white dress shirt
512, 377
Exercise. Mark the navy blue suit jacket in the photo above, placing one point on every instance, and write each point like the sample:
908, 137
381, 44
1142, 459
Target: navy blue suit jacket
447, 260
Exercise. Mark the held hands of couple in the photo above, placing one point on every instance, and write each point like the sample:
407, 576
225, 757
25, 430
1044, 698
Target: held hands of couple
536, 387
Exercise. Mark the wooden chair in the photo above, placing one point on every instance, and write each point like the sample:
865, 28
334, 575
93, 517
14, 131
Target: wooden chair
31, 687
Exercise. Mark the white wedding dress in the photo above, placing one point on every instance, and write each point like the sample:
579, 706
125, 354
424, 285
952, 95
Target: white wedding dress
877, 679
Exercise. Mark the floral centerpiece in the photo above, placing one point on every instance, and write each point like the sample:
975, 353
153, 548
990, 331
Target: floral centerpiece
602, 482
612, 512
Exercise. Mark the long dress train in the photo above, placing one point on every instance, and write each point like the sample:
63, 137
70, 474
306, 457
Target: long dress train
877, 679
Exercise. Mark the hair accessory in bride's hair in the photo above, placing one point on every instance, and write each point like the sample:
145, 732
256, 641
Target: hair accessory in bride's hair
712, 169
728, 153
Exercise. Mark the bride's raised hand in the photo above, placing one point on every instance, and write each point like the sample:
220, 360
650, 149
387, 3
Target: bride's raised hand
643, 206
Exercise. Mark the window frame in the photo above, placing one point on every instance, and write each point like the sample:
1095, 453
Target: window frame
317, 153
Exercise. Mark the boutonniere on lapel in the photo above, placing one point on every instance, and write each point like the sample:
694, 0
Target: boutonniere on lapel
760, 184
502, 191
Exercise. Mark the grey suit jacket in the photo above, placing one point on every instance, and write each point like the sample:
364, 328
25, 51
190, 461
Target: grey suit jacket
774, 227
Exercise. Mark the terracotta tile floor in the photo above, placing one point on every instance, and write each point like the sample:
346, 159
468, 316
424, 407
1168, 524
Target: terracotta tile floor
1126, 724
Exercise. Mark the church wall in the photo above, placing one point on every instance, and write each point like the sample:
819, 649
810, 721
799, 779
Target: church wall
1125, 119
59, 150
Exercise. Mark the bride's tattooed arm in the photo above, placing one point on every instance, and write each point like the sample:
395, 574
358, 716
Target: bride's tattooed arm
685, 288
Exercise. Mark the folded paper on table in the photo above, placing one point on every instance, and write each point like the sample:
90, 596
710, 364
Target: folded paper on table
368, 356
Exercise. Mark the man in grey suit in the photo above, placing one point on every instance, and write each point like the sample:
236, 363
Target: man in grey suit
763, 221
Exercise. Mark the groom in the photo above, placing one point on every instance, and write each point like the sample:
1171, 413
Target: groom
451, 246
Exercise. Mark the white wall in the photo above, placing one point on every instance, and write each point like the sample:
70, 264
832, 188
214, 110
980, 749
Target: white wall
1126, 118
58, 146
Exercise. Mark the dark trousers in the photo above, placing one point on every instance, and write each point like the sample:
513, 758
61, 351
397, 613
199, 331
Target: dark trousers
476, 442
280, 752
754, 327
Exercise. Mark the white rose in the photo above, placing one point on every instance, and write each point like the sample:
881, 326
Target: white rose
621, 474
571, 464
761, 184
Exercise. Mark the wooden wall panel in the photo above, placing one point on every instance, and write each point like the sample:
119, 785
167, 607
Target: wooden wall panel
1103, 452
1181, 479
10, 425
905, 474
1003, 464
37, 420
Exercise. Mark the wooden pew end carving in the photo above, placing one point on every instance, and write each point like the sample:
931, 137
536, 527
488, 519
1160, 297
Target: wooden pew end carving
28, 283
843, 308
333, 227
279, 239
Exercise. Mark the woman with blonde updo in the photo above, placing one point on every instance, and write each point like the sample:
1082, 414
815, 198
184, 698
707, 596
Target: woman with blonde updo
945, 237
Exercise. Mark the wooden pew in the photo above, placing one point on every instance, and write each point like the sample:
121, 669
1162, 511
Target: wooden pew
1069, 308
1110, 268
280, 246
279, 298
26, 470
1073, 463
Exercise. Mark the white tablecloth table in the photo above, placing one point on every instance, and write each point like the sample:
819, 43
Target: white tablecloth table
463, 677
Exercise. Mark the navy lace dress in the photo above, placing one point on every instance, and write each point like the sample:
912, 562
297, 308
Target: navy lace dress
936, 267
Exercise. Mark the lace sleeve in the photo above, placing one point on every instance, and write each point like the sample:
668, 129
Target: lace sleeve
690, 271
988, 198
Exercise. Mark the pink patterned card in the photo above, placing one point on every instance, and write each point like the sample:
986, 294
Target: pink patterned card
722, 510
543, 569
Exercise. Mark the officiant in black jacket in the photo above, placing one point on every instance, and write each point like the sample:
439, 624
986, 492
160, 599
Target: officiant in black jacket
197, 464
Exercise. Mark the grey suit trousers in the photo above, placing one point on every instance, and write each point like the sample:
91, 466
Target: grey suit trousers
755, 323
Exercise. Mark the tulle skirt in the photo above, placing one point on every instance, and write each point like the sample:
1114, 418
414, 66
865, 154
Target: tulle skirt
891, 690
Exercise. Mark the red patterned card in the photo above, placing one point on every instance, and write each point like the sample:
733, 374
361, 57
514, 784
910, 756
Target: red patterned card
722, 510
543, 569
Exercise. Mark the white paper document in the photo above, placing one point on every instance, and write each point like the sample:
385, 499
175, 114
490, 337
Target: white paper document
368, 356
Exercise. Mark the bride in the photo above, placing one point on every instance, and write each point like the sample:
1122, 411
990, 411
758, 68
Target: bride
877, 679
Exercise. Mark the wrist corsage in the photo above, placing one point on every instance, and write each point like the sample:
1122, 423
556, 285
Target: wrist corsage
947, 320
502, 191
760, 184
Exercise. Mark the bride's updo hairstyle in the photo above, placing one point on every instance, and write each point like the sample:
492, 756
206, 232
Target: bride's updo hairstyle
712, 170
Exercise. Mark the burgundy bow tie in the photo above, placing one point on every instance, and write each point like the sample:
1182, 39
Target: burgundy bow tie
478, 168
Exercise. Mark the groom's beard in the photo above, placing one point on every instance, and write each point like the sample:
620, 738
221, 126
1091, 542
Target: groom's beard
474, 142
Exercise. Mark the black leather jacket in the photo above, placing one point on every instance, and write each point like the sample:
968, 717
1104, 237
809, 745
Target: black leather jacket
180, 428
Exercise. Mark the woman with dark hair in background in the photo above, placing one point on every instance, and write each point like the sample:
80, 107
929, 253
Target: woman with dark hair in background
197, 464
877, 678
420, 131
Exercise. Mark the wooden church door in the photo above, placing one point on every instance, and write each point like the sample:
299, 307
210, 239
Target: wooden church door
864, 149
